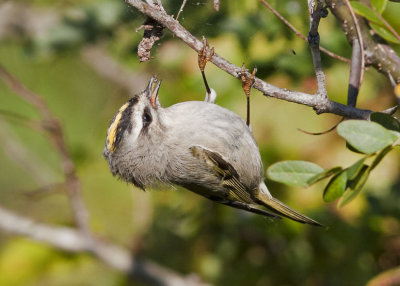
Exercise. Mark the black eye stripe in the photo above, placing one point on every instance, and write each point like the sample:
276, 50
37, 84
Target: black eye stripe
125, 122
146, 117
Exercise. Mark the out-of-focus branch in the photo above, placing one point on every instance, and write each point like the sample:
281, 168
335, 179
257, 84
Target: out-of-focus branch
216, 5
300, 35
60, 237
107, 67
53, 128
387, 278
25, 19
381, 56
71, 240
22, 156
267, 89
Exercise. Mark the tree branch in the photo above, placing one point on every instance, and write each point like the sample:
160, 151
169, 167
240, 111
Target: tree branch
313, 41
378, 54
69, 239
267, 89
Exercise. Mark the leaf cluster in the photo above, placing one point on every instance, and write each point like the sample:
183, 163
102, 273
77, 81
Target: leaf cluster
373, 139
374, 15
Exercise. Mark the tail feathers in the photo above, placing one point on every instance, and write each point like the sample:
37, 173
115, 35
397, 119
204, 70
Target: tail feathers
284, 210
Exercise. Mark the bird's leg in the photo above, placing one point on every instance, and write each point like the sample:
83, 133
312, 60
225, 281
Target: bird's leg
247, 83
205, 56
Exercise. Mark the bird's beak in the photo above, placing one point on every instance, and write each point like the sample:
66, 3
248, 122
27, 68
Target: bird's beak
152, 90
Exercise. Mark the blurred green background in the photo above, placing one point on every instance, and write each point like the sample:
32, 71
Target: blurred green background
64, 63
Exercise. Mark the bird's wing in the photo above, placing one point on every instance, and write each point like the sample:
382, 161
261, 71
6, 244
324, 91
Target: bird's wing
238, 196
223, 170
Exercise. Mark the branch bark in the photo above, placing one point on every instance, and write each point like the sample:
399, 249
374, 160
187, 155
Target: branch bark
316, 9
377, 53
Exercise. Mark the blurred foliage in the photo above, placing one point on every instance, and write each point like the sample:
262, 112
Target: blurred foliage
176, 228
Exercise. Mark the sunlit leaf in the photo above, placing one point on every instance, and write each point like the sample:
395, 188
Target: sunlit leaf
366, 12
335, 187
324, 175
384, 33
355, 186
367, 137
293, 172
379, 5
386, 120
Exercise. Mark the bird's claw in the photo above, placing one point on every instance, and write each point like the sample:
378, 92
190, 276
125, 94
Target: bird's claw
247, 81
205, 54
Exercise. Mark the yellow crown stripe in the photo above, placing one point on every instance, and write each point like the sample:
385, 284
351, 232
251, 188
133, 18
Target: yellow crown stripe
112, 130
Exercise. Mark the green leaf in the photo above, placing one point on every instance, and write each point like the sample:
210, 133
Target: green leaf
386, 120
380, 156
351, 148
325, 174
355, 186
335, 187
379, 5
366, 12
384, 33
366, 137
293, 172
354, 169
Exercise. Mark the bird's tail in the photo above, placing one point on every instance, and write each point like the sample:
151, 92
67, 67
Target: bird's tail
280, 208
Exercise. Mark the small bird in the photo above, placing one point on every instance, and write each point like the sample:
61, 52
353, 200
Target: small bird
198, 145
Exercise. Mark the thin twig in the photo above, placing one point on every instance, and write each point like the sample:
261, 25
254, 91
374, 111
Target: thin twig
55, 132
388, 26
299, 34
18, 153
181, 9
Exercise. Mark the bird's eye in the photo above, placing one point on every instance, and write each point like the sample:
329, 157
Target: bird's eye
147, 118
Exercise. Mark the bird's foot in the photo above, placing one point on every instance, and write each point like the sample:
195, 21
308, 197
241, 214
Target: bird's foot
205, 56
247, 83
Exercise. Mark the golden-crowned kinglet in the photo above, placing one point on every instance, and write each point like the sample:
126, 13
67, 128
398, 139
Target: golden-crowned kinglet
198, 145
